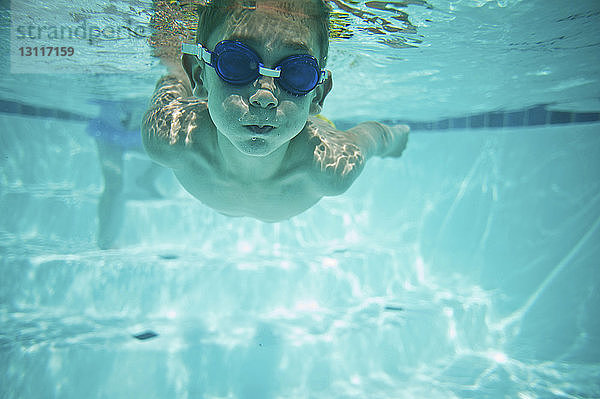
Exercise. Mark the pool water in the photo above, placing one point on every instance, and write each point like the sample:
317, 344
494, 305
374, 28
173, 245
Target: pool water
468, 268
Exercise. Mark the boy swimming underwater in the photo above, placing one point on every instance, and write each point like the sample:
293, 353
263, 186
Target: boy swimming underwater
245, 138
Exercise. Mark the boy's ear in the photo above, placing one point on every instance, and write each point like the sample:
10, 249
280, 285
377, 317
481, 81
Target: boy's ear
193, 69
322, 90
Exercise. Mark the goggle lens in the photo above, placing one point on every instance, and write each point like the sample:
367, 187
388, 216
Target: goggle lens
236, 66
299, 74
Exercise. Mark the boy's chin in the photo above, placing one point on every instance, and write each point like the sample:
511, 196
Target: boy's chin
255, 146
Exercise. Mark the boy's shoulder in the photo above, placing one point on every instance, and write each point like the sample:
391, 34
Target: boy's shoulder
335, 150
337, 158
174, 120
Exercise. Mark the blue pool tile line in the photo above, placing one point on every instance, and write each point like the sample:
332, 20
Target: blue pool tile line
537, 115
13, 107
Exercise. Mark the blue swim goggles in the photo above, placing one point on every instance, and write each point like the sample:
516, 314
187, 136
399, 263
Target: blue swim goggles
239, 65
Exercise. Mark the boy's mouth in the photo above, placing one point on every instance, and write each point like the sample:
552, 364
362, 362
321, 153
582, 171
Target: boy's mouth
259, 129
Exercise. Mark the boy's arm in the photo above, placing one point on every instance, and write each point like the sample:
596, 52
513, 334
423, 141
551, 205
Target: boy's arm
169, 122
377, 139
341, 156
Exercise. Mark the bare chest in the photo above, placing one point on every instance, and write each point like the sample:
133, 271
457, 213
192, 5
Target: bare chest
275, 199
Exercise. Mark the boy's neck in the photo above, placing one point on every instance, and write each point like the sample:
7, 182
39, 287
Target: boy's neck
250, 168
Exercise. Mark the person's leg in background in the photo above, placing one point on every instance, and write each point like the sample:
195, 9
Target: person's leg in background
111, 206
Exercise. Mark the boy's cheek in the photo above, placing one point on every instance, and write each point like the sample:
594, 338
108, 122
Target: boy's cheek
233, 103
226, 102
295, 114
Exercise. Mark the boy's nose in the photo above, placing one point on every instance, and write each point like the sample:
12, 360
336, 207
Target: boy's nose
264, 96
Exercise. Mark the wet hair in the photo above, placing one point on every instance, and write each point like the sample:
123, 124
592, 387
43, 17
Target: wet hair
215, 12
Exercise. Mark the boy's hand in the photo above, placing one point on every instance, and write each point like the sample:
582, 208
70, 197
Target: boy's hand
397, 146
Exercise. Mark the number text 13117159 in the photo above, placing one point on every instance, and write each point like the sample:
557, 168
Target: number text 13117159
46, 51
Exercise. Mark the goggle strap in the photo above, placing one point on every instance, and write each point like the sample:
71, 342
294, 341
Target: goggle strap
323, 76
188, 48
272, 73
198, 50
206, 55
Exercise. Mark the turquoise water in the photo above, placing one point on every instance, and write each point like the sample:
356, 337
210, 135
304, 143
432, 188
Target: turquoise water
466, 269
